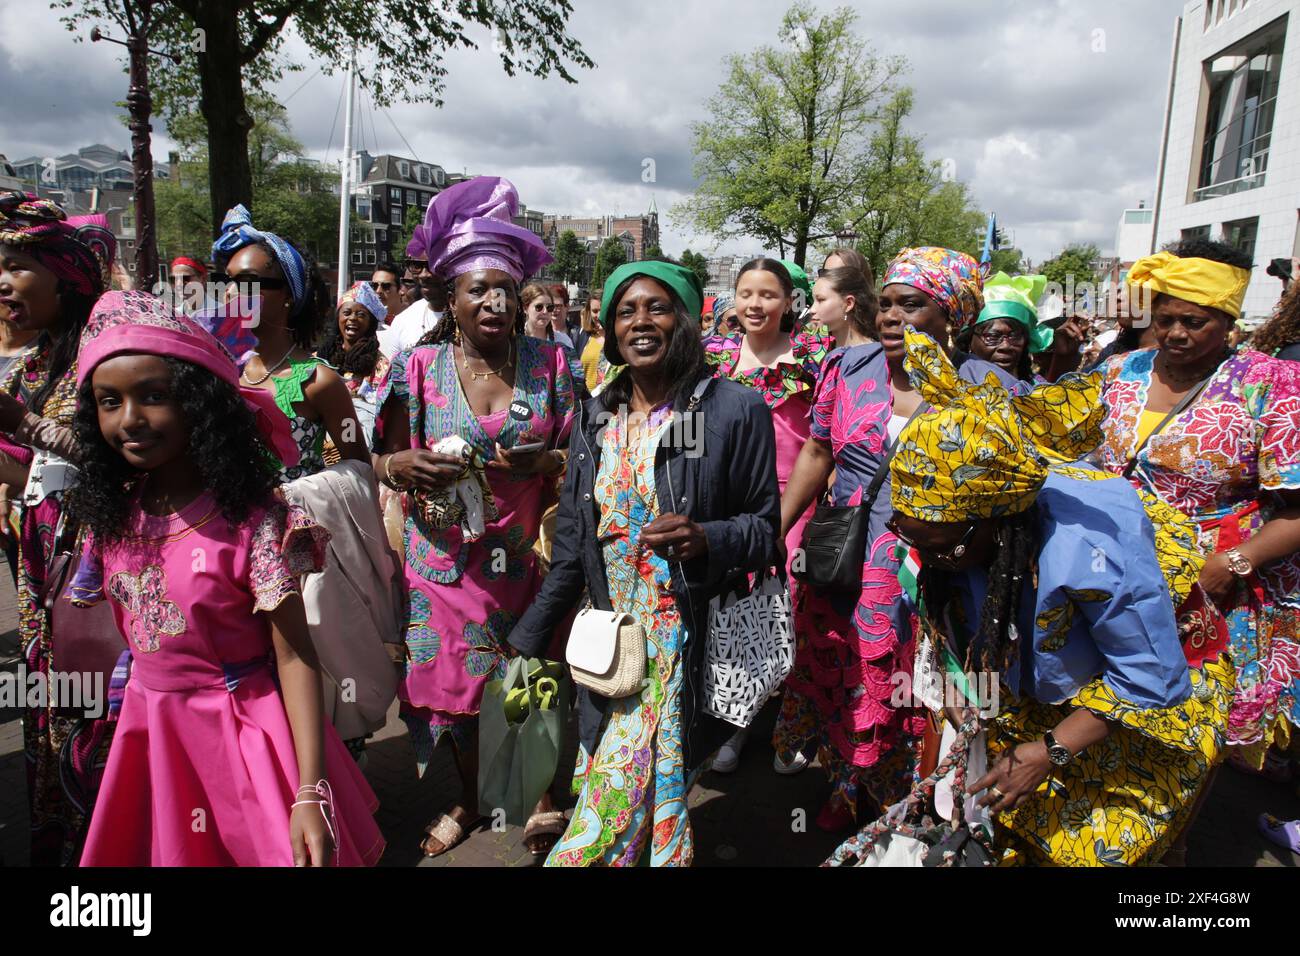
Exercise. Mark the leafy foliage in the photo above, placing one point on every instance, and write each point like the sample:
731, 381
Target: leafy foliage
292, 193
698, 264
227, 51
609, 257
569, 255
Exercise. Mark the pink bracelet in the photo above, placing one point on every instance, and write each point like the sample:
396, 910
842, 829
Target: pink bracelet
326, 804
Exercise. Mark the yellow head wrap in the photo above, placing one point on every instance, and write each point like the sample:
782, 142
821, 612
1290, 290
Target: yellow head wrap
981, 452
1203, 281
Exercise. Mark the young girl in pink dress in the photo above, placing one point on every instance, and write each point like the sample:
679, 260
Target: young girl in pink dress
222, 755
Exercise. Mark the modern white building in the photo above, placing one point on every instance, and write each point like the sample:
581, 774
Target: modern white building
1229, 161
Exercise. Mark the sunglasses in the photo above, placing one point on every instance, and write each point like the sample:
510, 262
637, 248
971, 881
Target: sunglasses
952, 556
384, 286
994, 339
251, 278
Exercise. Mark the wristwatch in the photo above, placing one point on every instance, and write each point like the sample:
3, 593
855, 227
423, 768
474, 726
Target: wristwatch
1058, 754
1238, 563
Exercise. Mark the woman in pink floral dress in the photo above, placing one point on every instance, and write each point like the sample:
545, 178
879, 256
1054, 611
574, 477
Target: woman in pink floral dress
1230, 459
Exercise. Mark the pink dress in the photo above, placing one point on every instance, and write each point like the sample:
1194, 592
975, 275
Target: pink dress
787, 388
466, 596
203, 770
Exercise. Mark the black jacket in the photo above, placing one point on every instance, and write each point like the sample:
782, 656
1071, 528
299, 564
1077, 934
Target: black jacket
721, 471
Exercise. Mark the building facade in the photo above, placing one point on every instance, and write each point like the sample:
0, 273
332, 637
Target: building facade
593, 230
1229, 161
92, 167
388, 200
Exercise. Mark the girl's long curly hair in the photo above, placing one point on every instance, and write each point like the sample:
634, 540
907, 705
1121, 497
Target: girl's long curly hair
361, 359
237, 468
1283, 328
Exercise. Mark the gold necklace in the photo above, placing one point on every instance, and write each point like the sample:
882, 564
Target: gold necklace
476, 376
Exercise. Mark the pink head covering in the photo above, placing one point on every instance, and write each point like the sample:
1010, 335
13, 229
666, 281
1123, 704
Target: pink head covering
468, 227
95, 232
136, 322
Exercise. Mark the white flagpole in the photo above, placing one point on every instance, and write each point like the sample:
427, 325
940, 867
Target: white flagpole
345, 196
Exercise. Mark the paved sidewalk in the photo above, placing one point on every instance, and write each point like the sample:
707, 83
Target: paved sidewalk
752, 817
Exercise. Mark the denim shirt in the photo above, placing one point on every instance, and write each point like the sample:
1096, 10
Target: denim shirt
1101, 608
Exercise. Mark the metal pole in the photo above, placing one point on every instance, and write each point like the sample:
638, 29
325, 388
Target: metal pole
345, 195
140, 105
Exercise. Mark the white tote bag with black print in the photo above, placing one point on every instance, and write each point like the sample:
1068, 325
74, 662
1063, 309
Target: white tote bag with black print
750, 650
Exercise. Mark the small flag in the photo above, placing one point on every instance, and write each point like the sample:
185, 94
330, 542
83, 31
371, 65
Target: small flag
990, 238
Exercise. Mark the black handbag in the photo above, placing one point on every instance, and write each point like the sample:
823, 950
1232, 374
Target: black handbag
835, 538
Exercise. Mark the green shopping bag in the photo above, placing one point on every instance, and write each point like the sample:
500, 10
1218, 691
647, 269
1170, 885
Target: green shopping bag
521, 731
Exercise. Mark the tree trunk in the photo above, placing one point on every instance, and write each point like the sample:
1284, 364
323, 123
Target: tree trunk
222, 103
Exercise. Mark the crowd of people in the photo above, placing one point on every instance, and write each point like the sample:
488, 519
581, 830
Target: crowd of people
262, 515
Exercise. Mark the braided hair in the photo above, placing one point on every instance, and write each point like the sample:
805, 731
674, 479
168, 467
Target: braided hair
361, 359
1015, 558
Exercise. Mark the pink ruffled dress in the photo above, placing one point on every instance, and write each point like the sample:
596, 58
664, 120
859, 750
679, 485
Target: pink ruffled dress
203, 769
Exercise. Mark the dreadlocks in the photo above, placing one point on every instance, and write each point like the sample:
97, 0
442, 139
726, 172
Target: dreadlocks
993, 646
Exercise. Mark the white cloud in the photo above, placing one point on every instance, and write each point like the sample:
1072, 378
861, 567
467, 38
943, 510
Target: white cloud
1052, 133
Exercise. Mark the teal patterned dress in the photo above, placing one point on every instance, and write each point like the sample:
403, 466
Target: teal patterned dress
632, 806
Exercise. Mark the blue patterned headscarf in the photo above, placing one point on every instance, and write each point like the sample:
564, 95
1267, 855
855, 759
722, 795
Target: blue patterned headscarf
363, 295
237, 231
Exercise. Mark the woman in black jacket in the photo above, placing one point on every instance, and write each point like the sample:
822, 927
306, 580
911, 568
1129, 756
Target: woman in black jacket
671, 496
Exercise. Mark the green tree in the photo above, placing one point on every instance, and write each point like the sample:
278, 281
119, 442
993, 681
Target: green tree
228, 50
784, 157
569, 254
292, 192
906, 199
1072, 273
698, 264
609, 256
413, 216
653, 251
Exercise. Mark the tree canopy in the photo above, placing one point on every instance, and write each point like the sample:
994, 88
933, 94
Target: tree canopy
609, 256
229, 50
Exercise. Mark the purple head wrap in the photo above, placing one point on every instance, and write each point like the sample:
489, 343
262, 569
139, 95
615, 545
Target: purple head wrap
468, 227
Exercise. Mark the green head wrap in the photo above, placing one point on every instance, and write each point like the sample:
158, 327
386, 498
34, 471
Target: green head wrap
1016, 298
800, 279
684, 282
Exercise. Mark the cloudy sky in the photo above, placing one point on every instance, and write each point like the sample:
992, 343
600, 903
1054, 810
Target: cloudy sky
1049, 109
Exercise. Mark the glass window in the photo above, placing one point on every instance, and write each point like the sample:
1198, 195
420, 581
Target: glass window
1242, 88
356, 256
363, 207
404, 169
422, 175
395, 216
1196, 232
410, 197
370, 257
1241, 233
394, 194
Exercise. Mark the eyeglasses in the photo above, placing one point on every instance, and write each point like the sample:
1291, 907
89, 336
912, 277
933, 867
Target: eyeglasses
252, 278
994, 339
952, 556
384, 286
